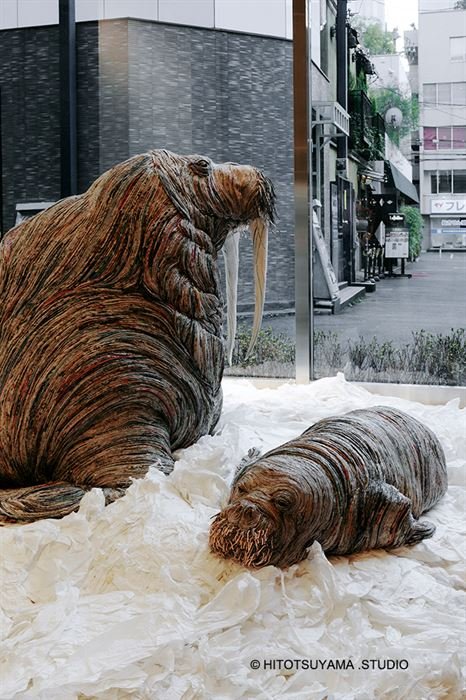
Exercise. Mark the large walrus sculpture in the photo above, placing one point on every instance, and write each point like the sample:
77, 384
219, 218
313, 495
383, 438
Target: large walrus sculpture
351, 483
111, 348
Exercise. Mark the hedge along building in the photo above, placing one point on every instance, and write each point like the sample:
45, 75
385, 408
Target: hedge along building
155, 80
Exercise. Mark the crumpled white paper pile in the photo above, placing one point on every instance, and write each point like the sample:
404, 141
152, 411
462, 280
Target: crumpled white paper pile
127, 602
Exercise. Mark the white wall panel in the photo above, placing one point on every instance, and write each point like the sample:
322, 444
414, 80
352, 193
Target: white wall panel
32, 13
87, 10
139, 9
289, 19
255, 16
199, 13
268, 17
8, 14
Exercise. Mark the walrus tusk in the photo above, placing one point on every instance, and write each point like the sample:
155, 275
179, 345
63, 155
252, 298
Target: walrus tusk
231, 257
259, 230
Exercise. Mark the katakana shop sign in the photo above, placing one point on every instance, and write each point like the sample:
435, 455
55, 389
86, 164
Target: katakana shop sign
448, 206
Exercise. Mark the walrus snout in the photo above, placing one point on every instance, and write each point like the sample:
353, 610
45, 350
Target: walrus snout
244, 515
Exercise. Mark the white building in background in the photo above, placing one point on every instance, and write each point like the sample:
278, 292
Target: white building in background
436, 5
391, 72
370, 11
442, 87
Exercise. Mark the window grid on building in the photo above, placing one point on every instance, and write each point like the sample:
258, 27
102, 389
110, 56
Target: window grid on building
441, 138
453, 94
448, 181
457, 49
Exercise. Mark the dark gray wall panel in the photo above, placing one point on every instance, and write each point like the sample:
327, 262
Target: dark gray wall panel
29, 82
227, 96
145, 85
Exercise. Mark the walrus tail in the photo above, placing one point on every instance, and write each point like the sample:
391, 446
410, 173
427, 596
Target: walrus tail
29, 503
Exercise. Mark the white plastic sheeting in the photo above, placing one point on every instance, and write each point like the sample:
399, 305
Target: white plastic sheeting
127, 602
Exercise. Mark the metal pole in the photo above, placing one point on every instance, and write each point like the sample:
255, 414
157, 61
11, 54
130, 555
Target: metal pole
1, 169
303, 188
68, 129
342, 69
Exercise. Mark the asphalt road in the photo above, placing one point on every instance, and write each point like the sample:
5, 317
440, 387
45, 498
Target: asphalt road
434, 299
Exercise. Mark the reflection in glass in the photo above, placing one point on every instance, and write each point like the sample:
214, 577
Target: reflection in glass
458, 95
444, 181
459, 181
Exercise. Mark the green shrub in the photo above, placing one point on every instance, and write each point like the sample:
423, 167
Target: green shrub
436, 356
269, 347
413, 221
441, 356
429, 358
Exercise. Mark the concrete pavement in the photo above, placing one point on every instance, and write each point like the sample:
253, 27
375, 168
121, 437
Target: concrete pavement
433, 299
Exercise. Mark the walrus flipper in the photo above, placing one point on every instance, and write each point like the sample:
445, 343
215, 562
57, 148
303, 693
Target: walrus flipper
30, 503
390, 519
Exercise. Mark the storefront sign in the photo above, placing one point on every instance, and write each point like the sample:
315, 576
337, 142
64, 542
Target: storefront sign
396, 242
395, 220
448, 206
448, 226
452, 223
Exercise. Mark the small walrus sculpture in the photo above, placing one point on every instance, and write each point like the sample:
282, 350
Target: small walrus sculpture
111, 343
352, 483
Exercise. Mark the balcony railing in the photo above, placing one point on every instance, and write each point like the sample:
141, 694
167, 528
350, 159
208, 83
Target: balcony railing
367, 128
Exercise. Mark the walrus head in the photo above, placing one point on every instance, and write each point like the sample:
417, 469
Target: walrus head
222, 199
265, 521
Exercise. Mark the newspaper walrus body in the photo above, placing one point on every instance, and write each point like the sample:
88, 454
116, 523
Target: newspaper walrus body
111, 347
354, 482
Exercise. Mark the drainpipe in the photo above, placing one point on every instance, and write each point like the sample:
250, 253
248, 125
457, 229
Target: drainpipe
342, 70
68, 130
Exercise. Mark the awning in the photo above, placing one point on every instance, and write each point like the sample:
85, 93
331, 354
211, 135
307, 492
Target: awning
401, 183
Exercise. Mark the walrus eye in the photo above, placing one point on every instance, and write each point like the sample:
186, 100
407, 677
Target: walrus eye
282, 501
200, 167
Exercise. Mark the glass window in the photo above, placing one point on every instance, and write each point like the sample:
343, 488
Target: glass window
315, 31
444, 137
324, 39
229, 95
430, 94
444, 181
430, 138
458, 48
444, 93
459, 181
459, 137
458, 94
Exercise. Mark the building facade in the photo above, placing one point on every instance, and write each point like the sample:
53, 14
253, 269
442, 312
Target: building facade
147, 83
443, 124
197, 76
